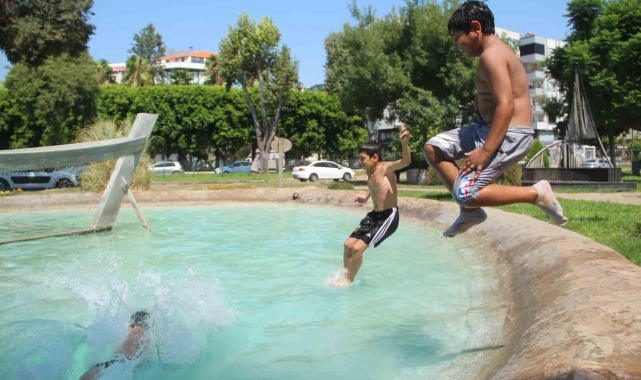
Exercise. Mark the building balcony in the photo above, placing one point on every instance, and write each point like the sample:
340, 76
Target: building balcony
543, 126
537, 109
537, 92
532, 58
184, 65
536, 75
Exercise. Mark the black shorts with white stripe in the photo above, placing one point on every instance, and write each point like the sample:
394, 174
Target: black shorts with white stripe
377, 226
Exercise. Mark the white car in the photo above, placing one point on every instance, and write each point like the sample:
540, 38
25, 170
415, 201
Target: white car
167, 167
313, 171
38, 180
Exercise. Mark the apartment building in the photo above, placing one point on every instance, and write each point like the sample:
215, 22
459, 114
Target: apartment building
192, 61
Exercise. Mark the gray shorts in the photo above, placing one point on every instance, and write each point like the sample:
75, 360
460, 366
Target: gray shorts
455, 143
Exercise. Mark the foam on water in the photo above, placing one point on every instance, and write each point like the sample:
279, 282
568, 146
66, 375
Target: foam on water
239, 291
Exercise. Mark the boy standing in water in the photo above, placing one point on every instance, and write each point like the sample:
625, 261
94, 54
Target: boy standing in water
382, 221
500, 139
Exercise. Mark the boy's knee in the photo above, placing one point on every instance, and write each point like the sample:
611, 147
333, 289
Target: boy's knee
348, 245
464, 192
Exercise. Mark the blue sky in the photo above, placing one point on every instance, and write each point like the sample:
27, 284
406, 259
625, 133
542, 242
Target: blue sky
303, 24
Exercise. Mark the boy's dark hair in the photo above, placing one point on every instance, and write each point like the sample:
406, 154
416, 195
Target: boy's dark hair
472, 11
139, 318
371, 148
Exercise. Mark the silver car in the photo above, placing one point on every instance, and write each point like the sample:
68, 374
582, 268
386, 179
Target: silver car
596, 163
167, 167
38, 180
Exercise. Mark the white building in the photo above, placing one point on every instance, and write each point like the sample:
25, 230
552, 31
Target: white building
193, 61
533, 50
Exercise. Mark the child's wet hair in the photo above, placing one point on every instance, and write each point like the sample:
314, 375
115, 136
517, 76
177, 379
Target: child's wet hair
139, 318
371, 148
472, 11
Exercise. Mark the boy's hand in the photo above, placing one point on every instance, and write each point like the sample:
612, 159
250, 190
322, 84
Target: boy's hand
360, 200
476, 161
404, 134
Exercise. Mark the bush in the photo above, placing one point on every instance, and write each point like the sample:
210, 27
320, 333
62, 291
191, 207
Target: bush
96, 176
341, 186
536, 147
634, 150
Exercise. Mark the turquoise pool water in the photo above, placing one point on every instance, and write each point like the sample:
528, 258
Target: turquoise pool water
236, 291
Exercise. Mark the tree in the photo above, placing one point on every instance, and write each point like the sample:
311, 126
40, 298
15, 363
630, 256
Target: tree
31, 31
605, 43
148, 45
181, 77
50, 103
315, 123
405, 63
138, 72
104, 72
212, 72
250, 53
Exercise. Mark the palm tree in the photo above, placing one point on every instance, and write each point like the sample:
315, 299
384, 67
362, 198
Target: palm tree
138, 72
212, 71
180, 76
104, 72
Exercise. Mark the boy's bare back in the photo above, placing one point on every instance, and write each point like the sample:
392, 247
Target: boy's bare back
501, 77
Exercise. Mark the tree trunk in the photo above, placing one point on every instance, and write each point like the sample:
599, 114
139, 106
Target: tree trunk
613, 157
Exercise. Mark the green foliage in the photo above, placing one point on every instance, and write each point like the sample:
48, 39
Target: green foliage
96, 176
139, 72
404, 62
554, 108
536, 147
31, 31
180, 77
511, 176
148, 44
634, 149
104, 72
249, 54
315, 122
340, 186
5, 129
50, 103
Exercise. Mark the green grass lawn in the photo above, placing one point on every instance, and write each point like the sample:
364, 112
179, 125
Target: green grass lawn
615, 225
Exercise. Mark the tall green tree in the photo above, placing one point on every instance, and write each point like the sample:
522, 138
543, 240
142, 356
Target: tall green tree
212, 71
31, 31
50, 103
606, 45
250, 53
138, 72
104, 72
148, 44
405, 63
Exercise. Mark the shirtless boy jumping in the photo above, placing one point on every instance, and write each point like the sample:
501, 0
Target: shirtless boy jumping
500, 139
382, 221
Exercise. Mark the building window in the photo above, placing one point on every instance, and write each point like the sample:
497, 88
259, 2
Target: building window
197, 60
532, 49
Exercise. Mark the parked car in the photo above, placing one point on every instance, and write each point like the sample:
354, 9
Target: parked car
167, 167
38, 180
596, 163
236, 167
314, 171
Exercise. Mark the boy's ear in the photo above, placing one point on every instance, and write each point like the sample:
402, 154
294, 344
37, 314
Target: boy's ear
475, 26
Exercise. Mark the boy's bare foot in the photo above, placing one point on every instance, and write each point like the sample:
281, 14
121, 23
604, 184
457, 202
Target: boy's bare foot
465, 221
547, 202
342, 282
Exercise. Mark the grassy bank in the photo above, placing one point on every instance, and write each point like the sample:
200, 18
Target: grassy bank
612, 224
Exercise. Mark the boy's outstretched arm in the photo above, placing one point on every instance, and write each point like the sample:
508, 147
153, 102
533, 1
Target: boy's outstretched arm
501, 87
406, 158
